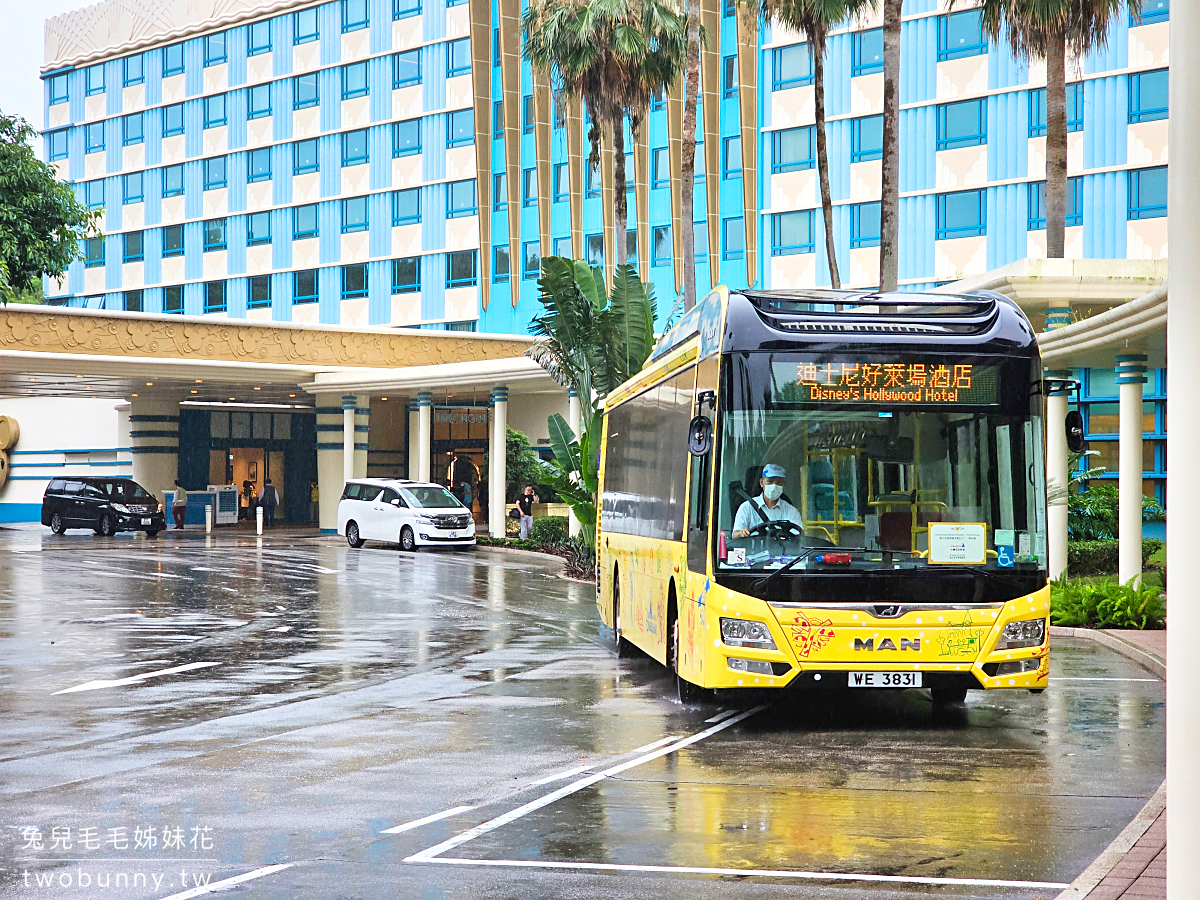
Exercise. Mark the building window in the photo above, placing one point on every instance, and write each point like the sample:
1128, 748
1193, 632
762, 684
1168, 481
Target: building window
532, 254
94, 80
93, 137
499, 191
354, 282
594, 248
214, 235
660, 168
259, 39
406, 275
305, 91
500, 267
460, 269
306, 28
406, 207
731, 150
259, 104
459, 326
1148, 193
961, 34
406, 137
304, 286
93, 194
733, 238
406, 69
258, 229
173, 299
172, 240
866, 53
562, 187
172, 60
729, 81
134, 247
354, 148
214, 49
1148, 96
304, 157
132, 130
402, 9
354, 214
58, 89
214, 111
134, 71
93, 252
460, 128
460, 199
354, 81
56, 145
498, 119
214, 173
172, 120
728, 7
562, 247
791, 67
1037, 109
792, 233
792, 149
458, 57
355, 15
260, 292
866, 139
527, 115
660, 246
258, 165
529, 185
132, 190
631, 244
962, 124
304, 222
961, 214
1037, 204
214, 297
172, 181
132, 301
864, 225
1152, 11
591, 187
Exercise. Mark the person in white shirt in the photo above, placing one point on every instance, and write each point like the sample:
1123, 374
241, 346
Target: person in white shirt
771, 503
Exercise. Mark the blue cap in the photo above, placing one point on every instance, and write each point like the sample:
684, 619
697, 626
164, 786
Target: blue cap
770, 470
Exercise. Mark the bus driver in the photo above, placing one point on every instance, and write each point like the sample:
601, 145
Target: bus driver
772, 506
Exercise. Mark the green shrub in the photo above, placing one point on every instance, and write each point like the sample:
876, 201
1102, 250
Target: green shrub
1088, 558
549, 529
1106, 604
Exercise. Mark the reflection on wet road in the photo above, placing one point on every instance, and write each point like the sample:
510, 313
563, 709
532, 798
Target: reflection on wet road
327, 722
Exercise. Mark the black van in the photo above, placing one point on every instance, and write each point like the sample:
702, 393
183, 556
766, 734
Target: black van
106, 505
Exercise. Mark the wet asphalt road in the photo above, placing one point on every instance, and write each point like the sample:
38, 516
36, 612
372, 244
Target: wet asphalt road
235, 706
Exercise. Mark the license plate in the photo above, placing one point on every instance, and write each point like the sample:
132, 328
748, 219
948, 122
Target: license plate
454, 534
145, 521
885, 679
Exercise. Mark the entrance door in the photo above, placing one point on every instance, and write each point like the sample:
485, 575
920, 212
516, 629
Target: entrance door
249, 470
462, 476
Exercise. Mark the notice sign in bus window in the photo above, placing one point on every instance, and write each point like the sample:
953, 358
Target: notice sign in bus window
892, 382
962, 543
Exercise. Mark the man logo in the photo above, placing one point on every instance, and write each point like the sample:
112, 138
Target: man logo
887, 644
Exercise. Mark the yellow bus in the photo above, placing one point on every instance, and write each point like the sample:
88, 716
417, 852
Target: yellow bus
817, 489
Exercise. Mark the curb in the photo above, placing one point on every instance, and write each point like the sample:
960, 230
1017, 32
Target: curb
549, 557
1147, 660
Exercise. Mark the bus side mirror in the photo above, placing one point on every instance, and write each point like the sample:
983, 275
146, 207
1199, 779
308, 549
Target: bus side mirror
700, 435
1074, 423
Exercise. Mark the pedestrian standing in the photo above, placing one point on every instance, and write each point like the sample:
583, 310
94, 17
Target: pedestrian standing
525, 505
314, 503
268, 500
179, 506
466, 494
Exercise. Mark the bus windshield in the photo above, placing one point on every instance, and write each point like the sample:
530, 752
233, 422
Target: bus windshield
887, 460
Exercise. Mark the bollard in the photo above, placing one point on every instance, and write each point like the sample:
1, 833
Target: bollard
258, 517
207, 518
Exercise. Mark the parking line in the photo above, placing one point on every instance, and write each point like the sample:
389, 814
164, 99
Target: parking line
228, 882
1100, 678
561, 775
721, 715
575, 786
745, 873
417, 823
135, 679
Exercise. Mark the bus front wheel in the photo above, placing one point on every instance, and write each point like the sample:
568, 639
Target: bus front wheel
624, 648
948, 696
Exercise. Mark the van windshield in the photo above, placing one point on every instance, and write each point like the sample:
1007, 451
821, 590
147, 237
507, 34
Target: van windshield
123, 490
431, 498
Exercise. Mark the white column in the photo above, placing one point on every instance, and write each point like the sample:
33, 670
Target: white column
424, 434
573, 419
1057, 475
497, 474
349, 403
154, 440
362, 434
414, 425
1183, 481
331, 473
1131, 375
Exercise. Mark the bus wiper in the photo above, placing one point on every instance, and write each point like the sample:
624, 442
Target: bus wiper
760, 583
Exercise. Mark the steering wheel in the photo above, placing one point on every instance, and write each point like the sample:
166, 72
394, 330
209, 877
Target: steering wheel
777, 528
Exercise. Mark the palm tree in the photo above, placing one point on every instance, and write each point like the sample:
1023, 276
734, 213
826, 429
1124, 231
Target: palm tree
889, 207
614, 54
1048, 29
814, 19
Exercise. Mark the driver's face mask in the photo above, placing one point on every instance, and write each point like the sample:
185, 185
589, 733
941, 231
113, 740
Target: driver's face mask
772, 491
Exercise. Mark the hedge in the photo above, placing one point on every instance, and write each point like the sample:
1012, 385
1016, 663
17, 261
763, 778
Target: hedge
1088, 558
550, 529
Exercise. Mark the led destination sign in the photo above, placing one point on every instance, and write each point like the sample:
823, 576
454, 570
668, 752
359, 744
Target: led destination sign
929, 381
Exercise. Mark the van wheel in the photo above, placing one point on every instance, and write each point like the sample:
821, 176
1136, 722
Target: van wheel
353, 538
57, 525
624, 648
408, 541
107, 526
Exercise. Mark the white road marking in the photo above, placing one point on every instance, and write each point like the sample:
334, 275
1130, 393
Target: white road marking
228, 882
417, 823
654, 744
575, 786
721, 715
134, 679
745, 873
1099, 678
561, 775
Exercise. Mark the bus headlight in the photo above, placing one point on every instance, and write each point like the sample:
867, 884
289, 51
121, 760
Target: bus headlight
1026, 633
740, 633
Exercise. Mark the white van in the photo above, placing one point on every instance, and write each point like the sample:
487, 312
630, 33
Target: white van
409, 513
